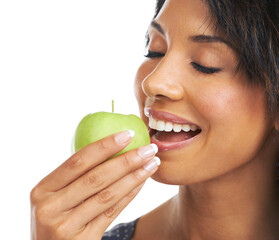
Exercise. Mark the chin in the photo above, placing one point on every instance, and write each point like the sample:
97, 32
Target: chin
179, 173
166, 176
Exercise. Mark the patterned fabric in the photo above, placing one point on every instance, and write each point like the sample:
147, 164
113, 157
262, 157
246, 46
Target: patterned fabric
122, 231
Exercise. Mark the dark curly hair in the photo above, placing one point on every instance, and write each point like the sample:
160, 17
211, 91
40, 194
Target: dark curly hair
252, 29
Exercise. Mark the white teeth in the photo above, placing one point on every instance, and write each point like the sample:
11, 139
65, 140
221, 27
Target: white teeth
152, 123
177, 127
168, 127
193, 127
160, 125
186, 128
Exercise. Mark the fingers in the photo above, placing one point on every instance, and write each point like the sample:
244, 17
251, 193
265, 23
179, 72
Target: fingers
84, 196
85, 159
99, 225
107, 198
104, 175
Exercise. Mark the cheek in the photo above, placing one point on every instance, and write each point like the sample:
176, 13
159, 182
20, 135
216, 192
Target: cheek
236, 118
216, 104
232, 105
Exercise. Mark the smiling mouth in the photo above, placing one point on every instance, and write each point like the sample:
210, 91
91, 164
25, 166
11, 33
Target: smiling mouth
171, 132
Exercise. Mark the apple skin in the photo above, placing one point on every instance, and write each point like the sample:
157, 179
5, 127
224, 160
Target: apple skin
96, 126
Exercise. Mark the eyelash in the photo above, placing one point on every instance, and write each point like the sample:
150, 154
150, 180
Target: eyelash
198, 67
205, 70
152, 54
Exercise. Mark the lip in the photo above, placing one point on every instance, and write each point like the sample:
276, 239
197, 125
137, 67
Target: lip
164, 116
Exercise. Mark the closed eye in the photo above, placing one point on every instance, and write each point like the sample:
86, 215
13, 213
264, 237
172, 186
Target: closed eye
152, 54
198, 67
206, 70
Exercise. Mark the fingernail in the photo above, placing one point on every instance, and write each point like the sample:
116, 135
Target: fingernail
153, 164
148, 151
124, 137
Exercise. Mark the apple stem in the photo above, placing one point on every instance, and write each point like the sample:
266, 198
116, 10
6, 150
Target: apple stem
112, 106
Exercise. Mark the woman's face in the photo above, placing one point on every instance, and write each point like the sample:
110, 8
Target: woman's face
190, 73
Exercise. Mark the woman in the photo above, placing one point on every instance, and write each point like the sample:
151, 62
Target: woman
212, 70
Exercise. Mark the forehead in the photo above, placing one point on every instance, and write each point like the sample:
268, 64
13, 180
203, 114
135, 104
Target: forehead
185, 16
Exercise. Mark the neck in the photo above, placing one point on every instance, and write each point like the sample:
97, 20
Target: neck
238, 205
242, 205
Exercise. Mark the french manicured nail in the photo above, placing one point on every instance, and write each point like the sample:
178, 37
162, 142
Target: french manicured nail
148, 151
153, 164
124, 137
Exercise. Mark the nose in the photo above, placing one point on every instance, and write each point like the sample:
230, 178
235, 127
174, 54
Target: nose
164, 82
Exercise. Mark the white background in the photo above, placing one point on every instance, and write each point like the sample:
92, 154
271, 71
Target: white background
60, 60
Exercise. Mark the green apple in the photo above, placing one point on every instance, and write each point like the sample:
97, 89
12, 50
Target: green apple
96, 126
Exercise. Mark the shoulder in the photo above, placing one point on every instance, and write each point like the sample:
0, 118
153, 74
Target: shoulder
122, 231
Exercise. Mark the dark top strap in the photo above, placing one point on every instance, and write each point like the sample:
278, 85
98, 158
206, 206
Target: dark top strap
122, 231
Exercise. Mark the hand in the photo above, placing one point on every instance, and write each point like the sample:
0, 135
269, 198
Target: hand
82, 197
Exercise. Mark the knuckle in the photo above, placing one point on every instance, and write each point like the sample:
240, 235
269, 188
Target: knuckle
42, 213
105, 196
62, 231
46, 210
111, 212
94, 179
126, 161
35, 194
104, 144
75, 160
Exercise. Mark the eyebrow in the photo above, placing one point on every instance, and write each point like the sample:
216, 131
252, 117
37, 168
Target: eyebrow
196, 38
157, 26
209, 39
